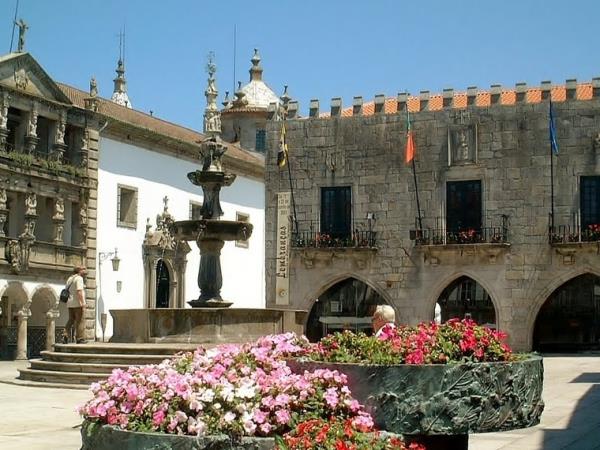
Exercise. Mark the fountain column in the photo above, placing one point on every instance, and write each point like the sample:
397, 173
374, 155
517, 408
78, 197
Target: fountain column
210, 279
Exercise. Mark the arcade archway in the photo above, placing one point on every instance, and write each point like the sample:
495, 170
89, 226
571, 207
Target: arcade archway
466, 298
347, 305
569, 320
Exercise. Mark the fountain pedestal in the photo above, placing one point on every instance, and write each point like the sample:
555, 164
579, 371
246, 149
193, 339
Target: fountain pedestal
210, 279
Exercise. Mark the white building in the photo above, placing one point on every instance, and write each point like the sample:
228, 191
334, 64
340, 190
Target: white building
94, 171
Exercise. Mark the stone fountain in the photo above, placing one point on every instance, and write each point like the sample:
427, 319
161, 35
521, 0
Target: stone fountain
209, 232
210, 320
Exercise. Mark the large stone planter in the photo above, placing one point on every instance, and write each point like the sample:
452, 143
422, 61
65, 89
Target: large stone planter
423, 402
106, 437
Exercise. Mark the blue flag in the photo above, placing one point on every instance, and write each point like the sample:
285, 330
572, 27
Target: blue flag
552, 128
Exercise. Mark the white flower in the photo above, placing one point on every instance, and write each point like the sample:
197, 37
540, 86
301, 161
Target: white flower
229, 417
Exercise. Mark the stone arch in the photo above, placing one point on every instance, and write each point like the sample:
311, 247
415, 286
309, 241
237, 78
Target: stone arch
43, 300
308, 300
549, 287
447, 281
354, 296
168, 266
22, 293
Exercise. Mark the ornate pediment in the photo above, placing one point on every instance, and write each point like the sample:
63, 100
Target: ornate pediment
20, 72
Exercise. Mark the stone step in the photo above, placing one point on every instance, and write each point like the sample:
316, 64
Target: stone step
40, 364
52, 376
125, 349
99, 358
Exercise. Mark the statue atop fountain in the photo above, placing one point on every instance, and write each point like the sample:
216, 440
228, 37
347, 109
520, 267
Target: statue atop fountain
210, 232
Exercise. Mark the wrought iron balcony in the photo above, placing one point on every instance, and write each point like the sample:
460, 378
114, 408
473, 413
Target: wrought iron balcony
308, 236
440, 235
570, 234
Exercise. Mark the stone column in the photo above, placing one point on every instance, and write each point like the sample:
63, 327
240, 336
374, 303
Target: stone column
23, 316
31, 137
210, 279
58, 219
59, 148
3, 210
3, 120
83, 150
51, 317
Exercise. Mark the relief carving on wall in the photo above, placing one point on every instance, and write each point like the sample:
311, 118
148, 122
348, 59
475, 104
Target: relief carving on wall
462, 144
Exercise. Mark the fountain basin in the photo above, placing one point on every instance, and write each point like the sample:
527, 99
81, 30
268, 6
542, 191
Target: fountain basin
202, 326
224, 230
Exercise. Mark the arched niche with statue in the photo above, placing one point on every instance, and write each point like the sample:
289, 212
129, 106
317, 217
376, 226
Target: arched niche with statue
164, 264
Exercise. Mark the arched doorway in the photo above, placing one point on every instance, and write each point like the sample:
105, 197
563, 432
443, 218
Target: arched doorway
43, 301
466, 298
163, 284
13, 299
347, 305
569, 320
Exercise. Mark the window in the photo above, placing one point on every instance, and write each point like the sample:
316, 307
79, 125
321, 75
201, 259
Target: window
463, 205
242, 217
195, 208
589, 201
127, 206
336, 211
261, 135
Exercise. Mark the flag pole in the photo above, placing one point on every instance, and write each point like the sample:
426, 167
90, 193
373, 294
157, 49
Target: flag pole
289, 170
414, 171
552, 140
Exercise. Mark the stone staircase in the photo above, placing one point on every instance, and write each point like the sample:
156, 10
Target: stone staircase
79, 365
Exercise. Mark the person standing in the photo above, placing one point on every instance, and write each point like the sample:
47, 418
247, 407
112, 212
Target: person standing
76, 306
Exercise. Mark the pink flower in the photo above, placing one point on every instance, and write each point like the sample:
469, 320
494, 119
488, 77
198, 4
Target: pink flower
158, 418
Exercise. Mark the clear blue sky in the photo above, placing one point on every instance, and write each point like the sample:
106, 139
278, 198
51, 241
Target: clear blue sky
322, 49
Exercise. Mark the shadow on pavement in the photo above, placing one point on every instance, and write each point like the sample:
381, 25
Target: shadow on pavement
583, 430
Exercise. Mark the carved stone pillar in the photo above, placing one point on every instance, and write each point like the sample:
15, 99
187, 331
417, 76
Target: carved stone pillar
3, 219
23, 316
3, 120
83, 151
58, 219
83, 222
59, 148
31, 138
210, 279
51, 317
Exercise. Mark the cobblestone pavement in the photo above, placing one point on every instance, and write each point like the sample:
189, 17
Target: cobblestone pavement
41, 418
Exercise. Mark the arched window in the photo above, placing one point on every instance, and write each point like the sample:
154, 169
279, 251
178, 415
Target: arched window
466, 298
569, 320
347, 305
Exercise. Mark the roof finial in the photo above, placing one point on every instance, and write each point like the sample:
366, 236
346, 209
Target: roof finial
240, 101
256, 70
120, 91
212, 116
227, 101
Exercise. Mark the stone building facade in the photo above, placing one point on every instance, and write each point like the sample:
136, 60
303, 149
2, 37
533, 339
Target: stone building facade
48, 176
65, 155
483, 169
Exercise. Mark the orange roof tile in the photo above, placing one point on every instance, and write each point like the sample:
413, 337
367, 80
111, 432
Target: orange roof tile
151, 123
584, 91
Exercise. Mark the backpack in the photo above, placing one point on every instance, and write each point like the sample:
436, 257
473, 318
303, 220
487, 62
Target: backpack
65, 294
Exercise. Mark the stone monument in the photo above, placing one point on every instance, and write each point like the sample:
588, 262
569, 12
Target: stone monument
209, 232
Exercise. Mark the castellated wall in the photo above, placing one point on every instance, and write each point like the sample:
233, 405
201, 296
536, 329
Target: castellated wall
512, 161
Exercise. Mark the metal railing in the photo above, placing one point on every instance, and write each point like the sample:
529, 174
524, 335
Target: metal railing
440, 235
565, 234
308, 235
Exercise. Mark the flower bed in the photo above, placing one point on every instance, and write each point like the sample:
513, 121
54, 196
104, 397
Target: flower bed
427, 343
449, 379
237, 391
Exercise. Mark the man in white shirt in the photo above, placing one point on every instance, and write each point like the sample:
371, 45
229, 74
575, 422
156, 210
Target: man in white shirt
383, 315
76, 306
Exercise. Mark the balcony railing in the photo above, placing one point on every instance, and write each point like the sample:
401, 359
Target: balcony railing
573, 233
491, 234
308, 236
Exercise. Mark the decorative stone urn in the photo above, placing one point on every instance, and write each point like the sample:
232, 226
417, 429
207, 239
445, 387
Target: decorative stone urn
439, 405
107, 437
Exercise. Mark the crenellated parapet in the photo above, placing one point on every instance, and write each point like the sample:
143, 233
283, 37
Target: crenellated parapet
449, 98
